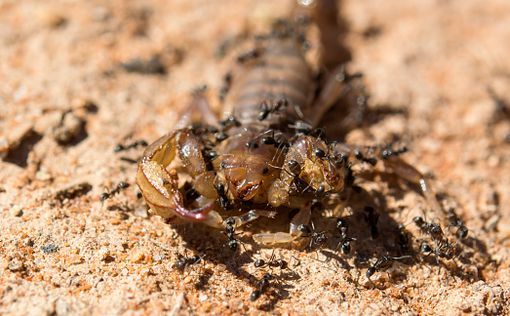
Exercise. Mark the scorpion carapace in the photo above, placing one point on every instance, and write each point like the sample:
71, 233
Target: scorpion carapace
266, 153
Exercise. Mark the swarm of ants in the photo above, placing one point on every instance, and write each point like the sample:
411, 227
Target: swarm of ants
268, 156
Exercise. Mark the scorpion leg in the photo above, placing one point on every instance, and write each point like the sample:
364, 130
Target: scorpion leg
398, 166
159, 186
411, 174
301, 218
250, 216
198, 111
334, 89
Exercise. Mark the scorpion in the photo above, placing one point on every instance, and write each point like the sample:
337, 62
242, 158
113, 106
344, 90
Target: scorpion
267, 153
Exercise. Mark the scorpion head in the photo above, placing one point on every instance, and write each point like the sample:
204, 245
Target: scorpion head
246, 176
246, 170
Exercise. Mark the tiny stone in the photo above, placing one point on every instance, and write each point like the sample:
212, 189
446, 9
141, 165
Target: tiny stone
141, 212
4, 147
74, 259
42, 175
136, 256
16, 211
103, 253
202, 298
16, 265
159, 258
49, 248
70, 128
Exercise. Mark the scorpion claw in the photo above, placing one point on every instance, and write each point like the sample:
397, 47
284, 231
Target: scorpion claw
197, 214
160, 188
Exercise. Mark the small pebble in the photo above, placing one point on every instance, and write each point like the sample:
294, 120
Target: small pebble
49, 248
202, 298
141, 212
136, 256
4, 147
103, 253
42, 175
16, 265
16, 211
69, 129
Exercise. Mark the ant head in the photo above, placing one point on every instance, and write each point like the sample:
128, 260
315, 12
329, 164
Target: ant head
233, 245
305, 230
418, 220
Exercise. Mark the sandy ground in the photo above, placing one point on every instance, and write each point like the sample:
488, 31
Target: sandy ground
72, 89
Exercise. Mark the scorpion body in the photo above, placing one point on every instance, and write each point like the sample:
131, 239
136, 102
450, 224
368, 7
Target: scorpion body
264, 154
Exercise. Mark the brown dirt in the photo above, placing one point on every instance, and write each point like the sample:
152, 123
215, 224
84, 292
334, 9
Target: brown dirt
66, 101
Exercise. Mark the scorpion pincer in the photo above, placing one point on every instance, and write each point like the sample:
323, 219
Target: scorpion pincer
264, 154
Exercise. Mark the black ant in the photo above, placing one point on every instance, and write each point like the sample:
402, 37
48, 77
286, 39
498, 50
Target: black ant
273, 262
344, 76
390, 152
220, 136
359, 155
317, 239
121, 186
210, 154
267, 109
229, 122
319, 153
233, 243
320, 192
434, 230
277, 141
462, 230
302, 127
294, 167
383, 262
262, 285
222, 196
319, 133
252, 54
190, 193
120, 147
345, 241
227, 82
425, 248
443, 249
270, 140
183, 261
372, 218
128, 160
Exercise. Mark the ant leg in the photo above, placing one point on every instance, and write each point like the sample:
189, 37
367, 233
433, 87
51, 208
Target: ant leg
301, 218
